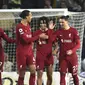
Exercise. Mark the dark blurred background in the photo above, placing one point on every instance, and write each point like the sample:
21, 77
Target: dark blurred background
72, 5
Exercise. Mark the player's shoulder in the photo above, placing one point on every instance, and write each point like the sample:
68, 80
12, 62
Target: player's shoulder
59, 30
1, 30
73, 29
18, 25
37, 31
50, 30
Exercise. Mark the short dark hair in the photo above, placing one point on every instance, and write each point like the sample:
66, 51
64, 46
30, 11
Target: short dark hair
64, 17
24, 14
54, 20
43, 18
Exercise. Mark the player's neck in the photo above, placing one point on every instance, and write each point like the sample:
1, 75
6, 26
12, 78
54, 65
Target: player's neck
67, 27
44, 29
24, 22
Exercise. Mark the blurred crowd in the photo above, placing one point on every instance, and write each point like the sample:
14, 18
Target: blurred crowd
72, 5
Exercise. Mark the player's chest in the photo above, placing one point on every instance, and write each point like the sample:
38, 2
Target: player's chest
42, 41
27, 30
66, 37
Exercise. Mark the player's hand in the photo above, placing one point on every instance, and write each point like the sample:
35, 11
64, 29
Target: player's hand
43, 36
69, 52
51, 25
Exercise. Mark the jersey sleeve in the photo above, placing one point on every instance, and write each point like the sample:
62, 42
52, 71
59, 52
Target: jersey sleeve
54, 36
51, 31
26, 37
35, 33
77, 46
5, 37
76, 40
76, 35
50, 34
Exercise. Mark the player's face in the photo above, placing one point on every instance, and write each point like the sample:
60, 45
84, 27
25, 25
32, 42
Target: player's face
63, 23
43, 25
51, 22
29, 17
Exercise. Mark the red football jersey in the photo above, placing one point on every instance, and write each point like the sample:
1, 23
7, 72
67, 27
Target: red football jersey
44, 45
24, 39
5, 37
67, 39
9, 40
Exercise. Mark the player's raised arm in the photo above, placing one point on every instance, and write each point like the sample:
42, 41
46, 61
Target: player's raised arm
5, 37
54, 36
52, 24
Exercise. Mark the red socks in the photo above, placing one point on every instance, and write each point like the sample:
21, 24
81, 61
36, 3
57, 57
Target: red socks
32, 79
